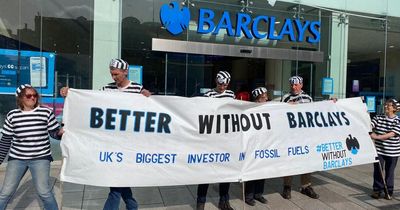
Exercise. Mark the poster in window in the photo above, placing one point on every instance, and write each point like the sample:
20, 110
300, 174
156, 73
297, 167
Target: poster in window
327, 86
371, 103
135, 73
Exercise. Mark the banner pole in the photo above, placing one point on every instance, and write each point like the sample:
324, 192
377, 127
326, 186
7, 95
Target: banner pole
243, 194
383, 177
384, 181
61, 187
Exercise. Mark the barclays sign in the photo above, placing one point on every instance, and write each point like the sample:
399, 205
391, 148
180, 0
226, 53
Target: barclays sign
176, 20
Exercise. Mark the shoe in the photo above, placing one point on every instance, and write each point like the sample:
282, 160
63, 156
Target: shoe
261, 199
225, 205
376, 194
287, 192
389, 196
200, 206
250, 202
309, 191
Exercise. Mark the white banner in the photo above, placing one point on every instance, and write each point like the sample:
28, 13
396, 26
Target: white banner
123, 139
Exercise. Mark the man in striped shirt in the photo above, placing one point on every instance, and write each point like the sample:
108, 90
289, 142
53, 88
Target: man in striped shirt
220, 91
119, 73
386, 135
297, 96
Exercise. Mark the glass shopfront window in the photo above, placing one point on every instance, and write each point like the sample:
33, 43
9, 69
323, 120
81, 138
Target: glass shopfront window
47, 44
372, 67
392, 75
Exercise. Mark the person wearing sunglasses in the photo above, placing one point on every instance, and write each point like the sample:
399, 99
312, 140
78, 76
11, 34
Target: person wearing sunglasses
254, 189
220, 91
119, 72
26, 140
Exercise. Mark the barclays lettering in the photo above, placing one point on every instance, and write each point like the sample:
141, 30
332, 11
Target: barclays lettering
175, 21
249, 26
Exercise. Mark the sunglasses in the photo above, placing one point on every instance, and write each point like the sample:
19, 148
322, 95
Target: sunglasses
29, 96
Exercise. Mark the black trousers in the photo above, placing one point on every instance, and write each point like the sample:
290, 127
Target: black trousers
388, 166
254, 188
223, 192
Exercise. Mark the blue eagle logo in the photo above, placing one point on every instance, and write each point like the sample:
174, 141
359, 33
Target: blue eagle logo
352, 144
173, 19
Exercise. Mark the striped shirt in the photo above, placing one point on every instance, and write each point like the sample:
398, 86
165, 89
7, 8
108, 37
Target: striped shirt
28, 134
300, 98
131, 88
382, 124
214, 94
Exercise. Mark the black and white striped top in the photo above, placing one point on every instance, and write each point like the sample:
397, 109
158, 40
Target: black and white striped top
26, 134
131, 88
382, 124
214, 94
300, 98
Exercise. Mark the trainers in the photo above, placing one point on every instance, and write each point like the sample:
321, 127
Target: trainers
376, 194
309, 191
225, 205
261, 199
250, 202
287, 192
200, 206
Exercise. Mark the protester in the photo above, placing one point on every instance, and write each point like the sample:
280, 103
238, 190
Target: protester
254, 189
386, 135
297, 96
220, 91
25, 139
119, 73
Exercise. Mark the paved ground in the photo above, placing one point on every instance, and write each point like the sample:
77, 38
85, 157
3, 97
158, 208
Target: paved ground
347, 188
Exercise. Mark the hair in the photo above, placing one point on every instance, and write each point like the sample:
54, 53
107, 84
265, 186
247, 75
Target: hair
395, 104
21, 95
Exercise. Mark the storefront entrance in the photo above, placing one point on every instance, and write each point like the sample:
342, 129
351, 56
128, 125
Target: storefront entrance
193, 74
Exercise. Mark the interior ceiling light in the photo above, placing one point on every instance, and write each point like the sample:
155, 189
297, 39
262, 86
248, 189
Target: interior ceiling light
391, 46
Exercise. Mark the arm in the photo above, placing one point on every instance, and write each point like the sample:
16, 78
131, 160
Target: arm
56, 134
383, 136
5, 144
53, 127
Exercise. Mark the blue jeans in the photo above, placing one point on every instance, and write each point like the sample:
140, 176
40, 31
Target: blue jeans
115, 195
40, 171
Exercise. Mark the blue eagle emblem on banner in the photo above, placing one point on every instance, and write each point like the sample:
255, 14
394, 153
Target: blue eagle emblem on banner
174, 19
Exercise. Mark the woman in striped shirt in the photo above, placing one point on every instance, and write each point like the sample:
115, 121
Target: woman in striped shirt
386, 134
26, 141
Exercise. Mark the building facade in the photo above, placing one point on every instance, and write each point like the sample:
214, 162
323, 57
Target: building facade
342, 48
